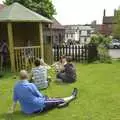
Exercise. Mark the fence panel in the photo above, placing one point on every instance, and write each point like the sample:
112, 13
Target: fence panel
79, 53
92, 53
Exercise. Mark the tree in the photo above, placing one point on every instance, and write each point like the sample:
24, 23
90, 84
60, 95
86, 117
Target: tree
43, 7
116, 27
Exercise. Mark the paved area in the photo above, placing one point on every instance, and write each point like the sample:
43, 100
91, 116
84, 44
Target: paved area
114, 53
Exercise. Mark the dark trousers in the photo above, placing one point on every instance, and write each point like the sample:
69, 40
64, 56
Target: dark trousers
65, 78
51, 103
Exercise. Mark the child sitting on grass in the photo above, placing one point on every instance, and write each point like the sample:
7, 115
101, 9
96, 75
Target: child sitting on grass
40, 74
68, 74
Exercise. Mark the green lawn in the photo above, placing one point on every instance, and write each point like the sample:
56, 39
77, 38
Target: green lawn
98, 99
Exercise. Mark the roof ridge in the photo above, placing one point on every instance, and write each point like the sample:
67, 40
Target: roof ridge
10, 10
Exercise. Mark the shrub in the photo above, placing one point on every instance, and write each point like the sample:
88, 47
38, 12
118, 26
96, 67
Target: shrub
103, 54
102, 43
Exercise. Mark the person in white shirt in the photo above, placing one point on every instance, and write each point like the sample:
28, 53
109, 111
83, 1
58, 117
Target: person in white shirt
40, 74
59, 66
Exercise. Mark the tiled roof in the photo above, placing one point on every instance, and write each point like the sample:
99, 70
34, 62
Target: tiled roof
80, 27
1, 6
108, 20
57, 25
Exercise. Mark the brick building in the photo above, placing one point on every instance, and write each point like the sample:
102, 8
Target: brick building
107, 24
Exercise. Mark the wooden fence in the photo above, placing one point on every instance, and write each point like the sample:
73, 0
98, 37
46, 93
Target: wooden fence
24, 57
79, 53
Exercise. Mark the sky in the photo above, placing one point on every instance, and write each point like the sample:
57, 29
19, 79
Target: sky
83, 11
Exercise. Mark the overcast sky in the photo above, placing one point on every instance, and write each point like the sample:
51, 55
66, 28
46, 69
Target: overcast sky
83, 11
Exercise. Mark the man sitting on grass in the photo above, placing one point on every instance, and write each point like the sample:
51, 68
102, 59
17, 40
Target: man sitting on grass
32, 101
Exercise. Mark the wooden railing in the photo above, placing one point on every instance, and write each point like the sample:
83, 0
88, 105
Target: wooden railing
25, 56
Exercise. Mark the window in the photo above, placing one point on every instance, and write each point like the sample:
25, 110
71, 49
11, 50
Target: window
56, 37
80, 32
67, 35
84, 33
60, 38
85, 40
88, 32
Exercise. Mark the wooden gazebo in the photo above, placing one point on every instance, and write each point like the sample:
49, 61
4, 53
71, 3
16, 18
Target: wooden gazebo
23, 31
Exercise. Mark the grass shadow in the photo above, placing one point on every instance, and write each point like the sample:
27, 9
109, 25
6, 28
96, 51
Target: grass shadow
18, 115
15, 116
62, 83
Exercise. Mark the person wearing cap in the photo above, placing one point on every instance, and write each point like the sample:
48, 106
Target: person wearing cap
32, 101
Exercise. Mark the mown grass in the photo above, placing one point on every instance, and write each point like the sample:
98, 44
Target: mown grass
98, 98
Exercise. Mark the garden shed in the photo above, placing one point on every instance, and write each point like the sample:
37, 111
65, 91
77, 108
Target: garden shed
25, 33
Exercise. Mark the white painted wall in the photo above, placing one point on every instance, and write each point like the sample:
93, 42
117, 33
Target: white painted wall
77, 36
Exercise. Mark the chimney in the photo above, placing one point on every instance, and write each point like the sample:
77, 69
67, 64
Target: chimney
115, 11
104, 13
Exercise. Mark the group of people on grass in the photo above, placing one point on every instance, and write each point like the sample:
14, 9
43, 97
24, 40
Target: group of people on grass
26, 90
65, 72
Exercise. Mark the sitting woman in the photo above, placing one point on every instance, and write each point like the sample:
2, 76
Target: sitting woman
68, 75
59, 66
39, 74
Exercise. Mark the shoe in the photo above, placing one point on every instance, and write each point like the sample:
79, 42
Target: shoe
75, 92
63, 105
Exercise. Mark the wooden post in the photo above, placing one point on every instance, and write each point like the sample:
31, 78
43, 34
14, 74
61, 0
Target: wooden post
51, 45
41, 40
11, 46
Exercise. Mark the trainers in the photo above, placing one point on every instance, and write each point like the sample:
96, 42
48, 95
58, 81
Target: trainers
75, 92
63, 105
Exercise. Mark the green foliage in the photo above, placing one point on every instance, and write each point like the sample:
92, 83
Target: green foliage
43, 7
116, 27
100, 39
103, 54
102, 43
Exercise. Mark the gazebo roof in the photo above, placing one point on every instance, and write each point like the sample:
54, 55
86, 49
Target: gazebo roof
18, 13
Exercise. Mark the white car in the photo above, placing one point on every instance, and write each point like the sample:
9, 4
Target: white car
115, 44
